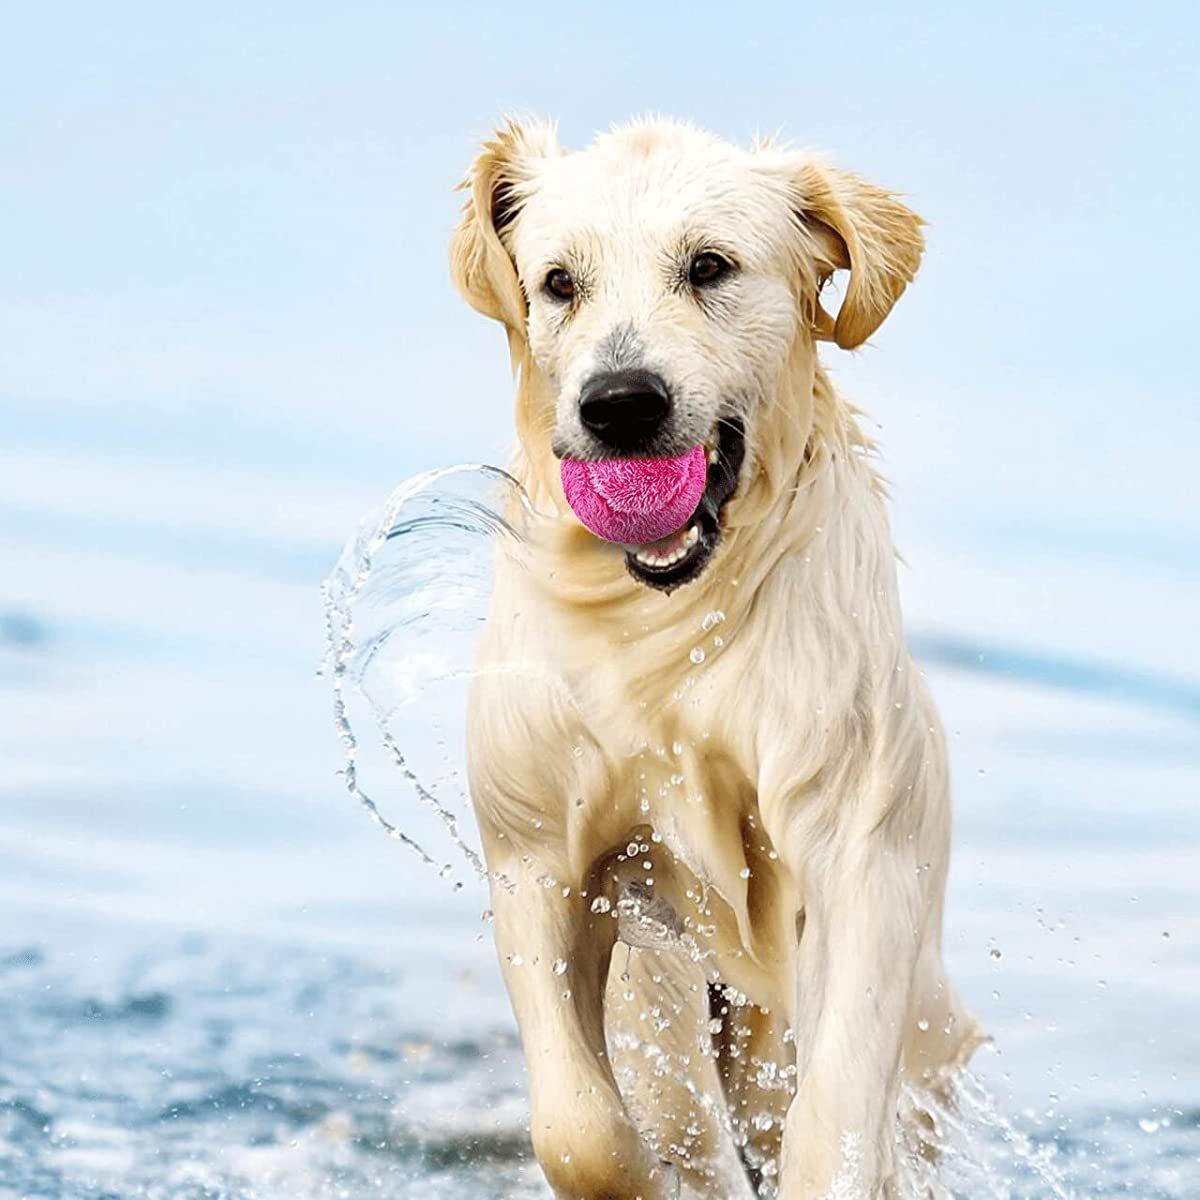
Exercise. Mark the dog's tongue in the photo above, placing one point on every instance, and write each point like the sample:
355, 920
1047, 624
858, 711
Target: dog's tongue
635, 500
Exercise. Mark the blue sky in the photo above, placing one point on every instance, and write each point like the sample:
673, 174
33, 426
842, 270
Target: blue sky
224, 226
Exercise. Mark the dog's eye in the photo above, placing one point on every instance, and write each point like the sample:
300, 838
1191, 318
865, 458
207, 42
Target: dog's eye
559, 284
708, 268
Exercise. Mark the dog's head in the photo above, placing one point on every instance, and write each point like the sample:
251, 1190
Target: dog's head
659, 284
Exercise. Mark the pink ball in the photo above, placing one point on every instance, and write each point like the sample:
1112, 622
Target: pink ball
635, 500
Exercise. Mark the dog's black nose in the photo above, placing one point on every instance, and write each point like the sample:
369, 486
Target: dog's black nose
624, 409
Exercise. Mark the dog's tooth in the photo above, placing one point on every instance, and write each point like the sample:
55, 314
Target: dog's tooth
713, 455
668, 558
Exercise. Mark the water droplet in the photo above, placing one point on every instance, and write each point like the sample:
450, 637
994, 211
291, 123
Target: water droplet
601, 904
923, 1025
994, 952
712, 619
744, 873
559, 966
697, 655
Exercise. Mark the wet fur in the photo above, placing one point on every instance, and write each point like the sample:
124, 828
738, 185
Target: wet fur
791, 788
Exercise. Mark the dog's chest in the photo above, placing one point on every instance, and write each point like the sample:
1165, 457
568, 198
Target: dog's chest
594, 746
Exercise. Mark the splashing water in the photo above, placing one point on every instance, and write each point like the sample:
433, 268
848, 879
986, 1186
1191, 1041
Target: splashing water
403, 607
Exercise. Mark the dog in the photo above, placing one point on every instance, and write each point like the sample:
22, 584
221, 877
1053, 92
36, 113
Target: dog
714, 801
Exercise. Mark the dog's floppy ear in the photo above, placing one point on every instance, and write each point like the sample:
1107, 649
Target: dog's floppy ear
497, 185
865, 229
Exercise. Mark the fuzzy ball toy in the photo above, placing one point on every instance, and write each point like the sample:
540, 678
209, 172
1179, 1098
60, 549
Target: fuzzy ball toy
635, 500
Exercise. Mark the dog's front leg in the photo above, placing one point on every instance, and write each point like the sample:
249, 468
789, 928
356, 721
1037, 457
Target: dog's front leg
555, 955
862, 929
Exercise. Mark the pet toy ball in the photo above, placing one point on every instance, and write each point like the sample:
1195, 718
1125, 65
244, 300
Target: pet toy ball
635, 500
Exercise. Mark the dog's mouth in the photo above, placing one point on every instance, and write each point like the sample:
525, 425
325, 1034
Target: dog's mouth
681, 557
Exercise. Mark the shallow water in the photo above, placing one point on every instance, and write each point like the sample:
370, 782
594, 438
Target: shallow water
218, 980
162, 1075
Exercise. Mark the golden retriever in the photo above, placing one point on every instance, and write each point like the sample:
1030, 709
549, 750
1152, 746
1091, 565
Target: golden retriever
716, 816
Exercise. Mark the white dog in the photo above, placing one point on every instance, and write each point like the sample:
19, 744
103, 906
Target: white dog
726, 759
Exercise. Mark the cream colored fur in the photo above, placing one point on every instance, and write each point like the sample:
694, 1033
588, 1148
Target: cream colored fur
790, 789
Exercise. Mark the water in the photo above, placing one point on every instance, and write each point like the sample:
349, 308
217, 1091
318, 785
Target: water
218, 980
403, 608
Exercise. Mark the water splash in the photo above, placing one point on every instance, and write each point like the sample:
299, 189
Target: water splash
403, 607
988, 1150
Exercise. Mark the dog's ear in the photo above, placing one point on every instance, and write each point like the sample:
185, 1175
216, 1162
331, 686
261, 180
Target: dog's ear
862, 228
497, 185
